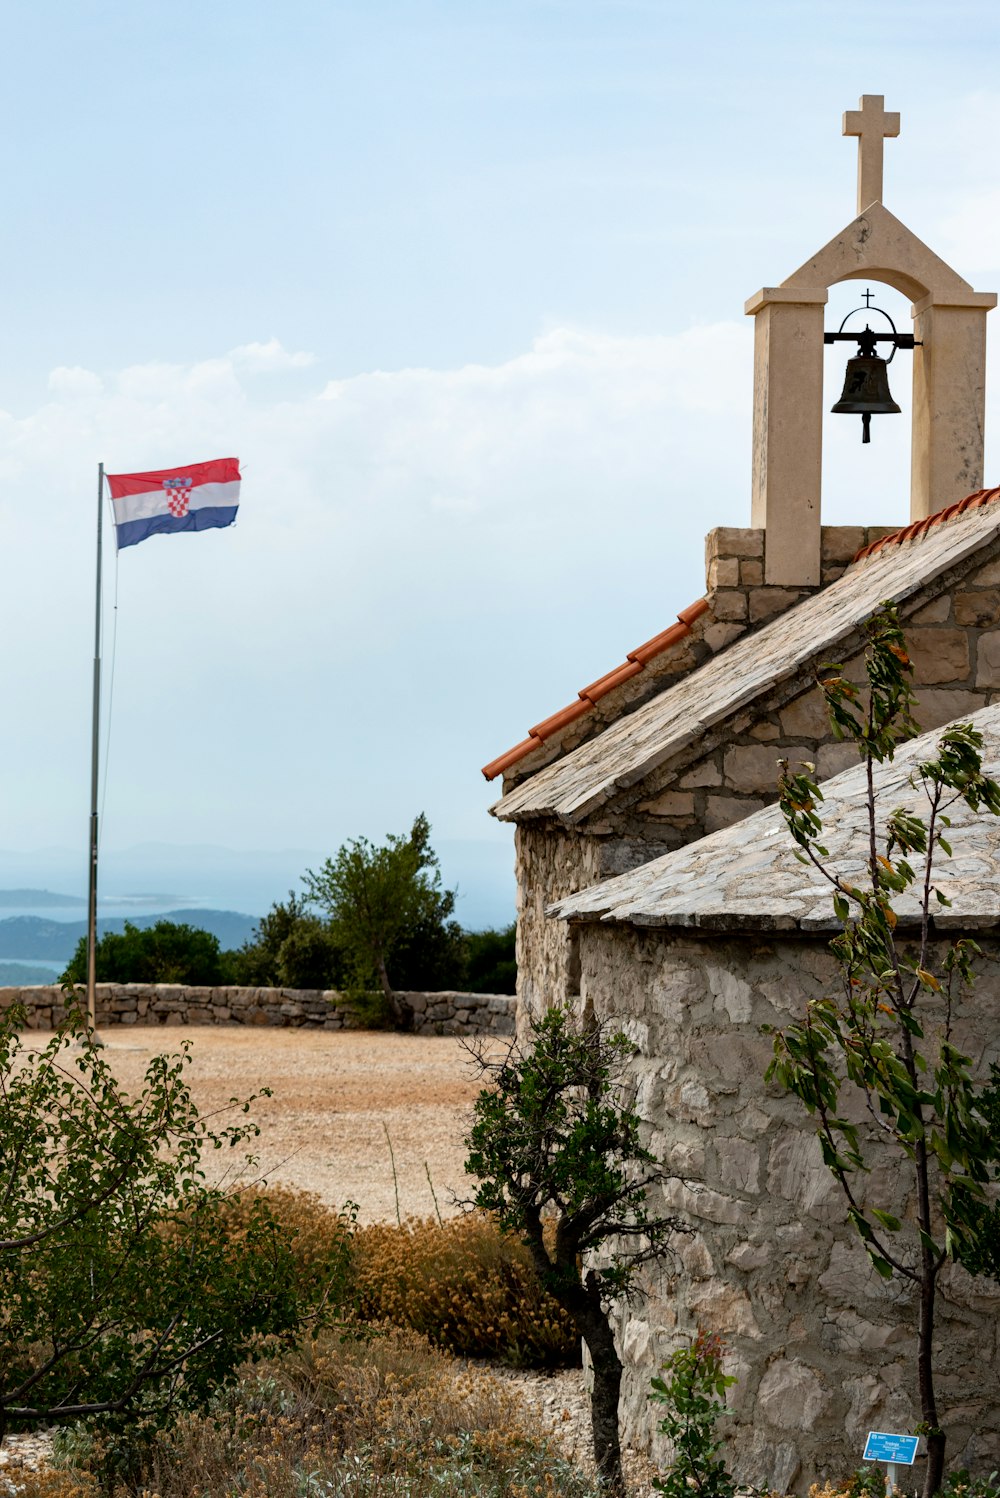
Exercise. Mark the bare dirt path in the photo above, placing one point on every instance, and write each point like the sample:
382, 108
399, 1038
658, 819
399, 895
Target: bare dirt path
336, 1096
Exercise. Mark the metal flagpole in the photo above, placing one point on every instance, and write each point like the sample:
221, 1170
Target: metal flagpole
92, 889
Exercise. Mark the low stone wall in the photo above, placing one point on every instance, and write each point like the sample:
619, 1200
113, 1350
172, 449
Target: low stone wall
446, 1013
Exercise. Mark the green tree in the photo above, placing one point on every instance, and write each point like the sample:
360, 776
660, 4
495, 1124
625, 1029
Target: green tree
489, 961
882, 1047
291, 947
556, 1145
384, 902
128, 1287
163, 953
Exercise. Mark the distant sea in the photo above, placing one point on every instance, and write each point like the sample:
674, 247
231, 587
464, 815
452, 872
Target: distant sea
43, 903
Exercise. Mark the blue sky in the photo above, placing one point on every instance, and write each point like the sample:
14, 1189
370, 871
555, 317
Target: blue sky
462, 285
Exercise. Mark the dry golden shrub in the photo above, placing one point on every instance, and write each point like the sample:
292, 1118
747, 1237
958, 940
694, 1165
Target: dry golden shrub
368, 1417
48, 1482
320, 1235
464, 1285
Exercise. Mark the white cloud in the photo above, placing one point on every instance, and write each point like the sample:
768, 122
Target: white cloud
72, 380
257, 358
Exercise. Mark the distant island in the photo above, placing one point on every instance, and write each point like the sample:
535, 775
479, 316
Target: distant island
15, 897
33, 938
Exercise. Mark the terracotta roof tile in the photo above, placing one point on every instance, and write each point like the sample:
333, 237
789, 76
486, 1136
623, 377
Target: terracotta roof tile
920, 528
567, 715
497, 766
611, 679
635, 661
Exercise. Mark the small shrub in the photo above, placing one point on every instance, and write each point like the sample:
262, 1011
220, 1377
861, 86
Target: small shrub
464, 1285
694, 1392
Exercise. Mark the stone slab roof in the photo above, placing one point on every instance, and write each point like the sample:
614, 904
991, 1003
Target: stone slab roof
747, 877
630, 749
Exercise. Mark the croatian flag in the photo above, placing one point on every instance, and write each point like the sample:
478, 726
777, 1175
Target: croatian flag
197, 498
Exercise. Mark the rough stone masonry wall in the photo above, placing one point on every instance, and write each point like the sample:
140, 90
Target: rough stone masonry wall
548, 860
445, 1013
552, 863
822, 1348
955, 645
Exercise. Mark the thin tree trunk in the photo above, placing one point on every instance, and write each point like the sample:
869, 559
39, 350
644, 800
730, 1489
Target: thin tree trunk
607, 1368
934, 1435
403, 1017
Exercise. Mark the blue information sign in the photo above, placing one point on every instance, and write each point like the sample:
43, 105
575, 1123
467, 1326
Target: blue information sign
883, 1447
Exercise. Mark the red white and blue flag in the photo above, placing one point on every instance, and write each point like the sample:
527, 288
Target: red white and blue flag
197, 498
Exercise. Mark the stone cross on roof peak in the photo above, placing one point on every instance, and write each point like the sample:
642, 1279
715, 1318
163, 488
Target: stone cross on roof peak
871, 123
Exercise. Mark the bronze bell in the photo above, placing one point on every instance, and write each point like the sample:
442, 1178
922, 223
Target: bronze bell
866, 391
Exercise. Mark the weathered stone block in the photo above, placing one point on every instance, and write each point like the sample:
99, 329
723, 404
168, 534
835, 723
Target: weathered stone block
938, 611
939, 655
937, 707
988, 661
806, 717
707, 773
668, 804
739, 1164
718, 636
730, 604
791, 1396
723, 572
841, 543
832, 758
733, 541
723, 811
750, 767
766, 602
979, 610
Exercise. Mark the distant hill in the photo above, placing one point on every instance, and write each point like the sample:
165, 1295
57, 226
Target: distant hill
21, 974
34, 938
36, 897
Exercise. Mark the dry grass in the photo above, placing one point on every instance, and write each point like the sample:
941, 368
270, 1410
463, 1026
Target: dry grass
461, 1282
465, 1286
381, 1417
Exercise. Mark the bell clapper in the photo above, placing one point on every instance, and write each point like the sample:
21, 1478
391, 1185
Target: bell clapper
866, 423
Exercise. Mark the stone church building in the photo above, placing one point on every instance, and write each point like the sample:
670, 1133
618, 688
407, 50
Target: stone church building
656, 885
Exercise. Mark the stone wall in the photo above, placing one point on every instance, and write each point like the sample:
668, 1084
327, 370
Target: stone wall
548, 861
446, 1013
823, 1349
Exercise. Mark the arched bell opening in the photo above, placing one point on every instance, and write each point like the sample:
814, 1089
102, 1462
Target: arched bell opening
861, 479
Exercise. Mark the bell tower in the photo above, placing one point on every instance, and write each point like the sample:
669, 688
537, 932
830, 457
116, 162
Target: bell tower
949, 367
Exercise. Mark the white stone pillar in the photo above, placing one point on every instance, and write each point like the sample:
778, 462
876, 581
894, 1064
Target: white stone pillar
949, 399
788, 431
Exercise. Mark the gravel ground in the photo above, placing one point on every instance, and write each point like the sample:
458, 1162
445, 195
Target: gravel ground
340, 1100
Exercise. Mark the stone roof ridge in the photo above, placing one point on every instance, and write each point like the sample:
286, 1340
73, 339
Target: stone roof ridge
747, 877
820, 625
588, 697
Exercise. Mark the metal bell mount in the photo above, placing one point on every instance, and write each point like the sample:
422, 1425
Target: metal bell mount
866, 390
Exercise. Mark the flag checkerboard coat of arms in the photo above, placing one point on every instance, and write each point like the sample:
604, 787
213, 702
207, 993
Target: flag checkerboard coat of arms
201, 497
